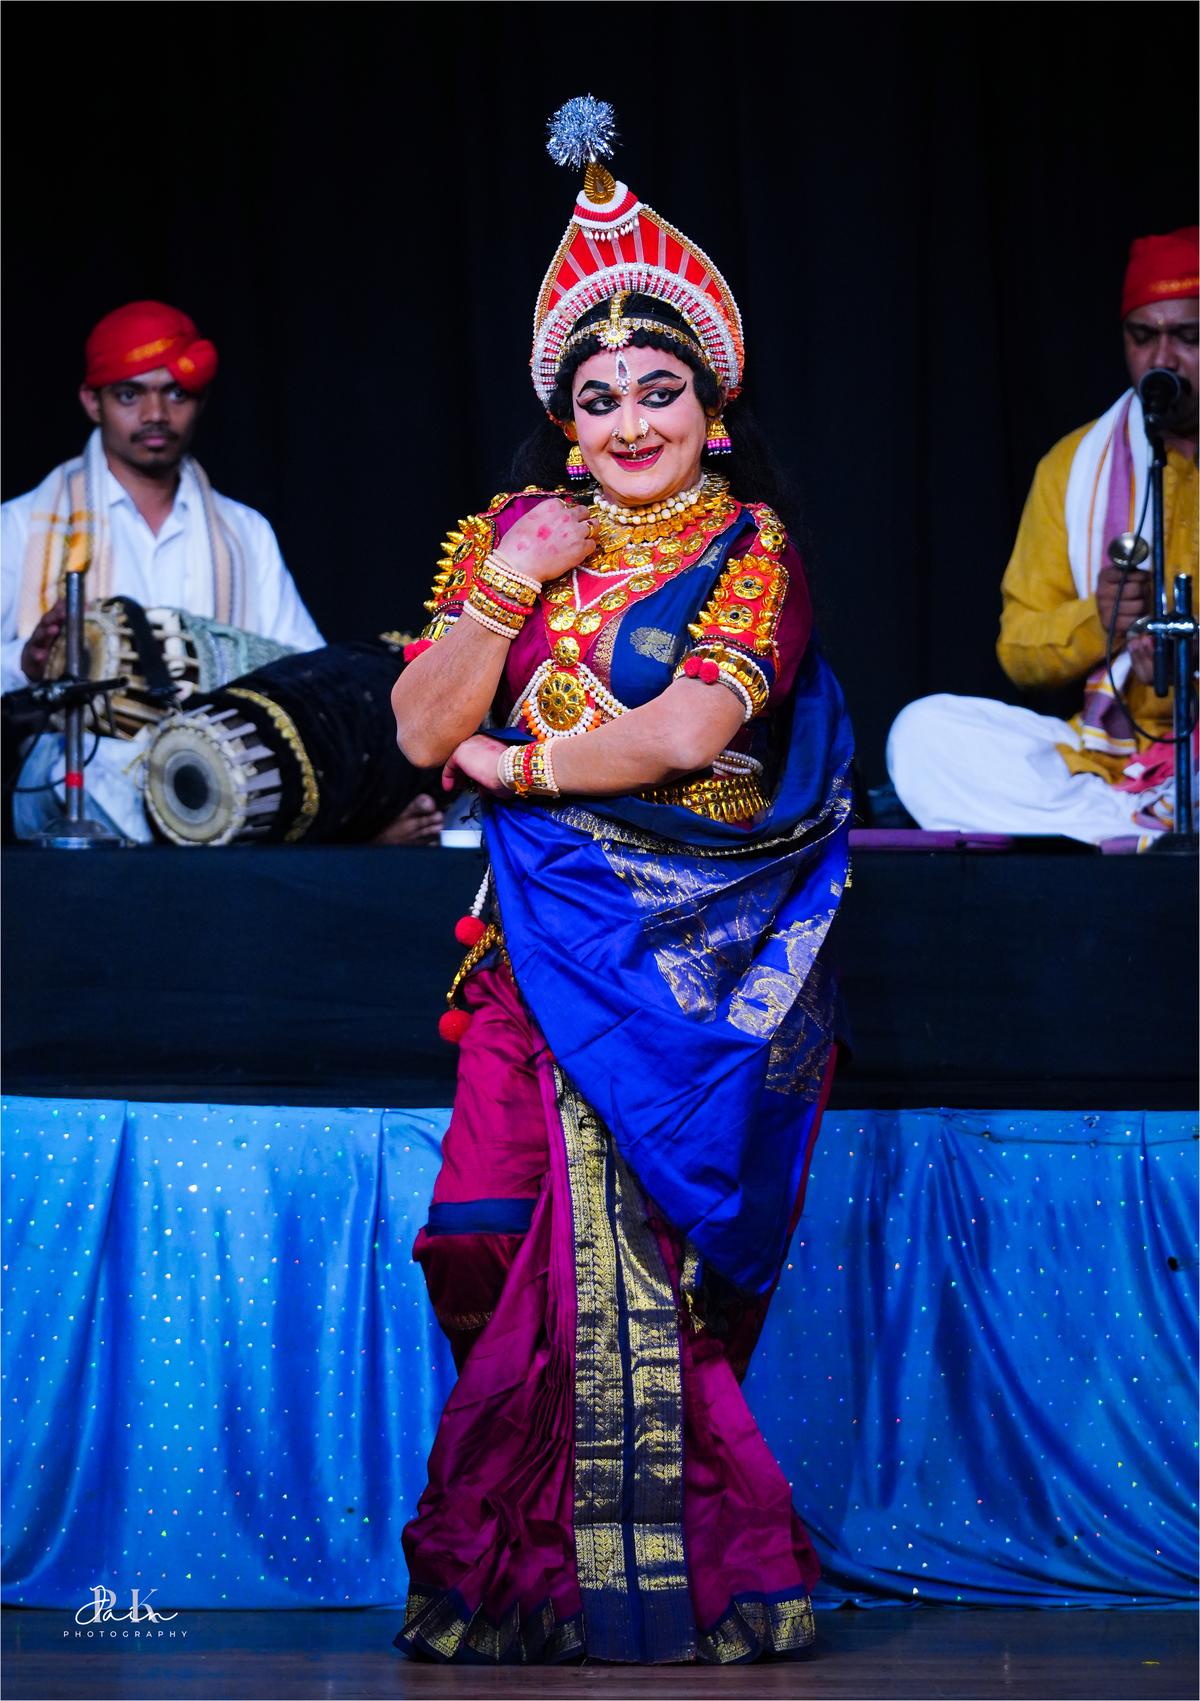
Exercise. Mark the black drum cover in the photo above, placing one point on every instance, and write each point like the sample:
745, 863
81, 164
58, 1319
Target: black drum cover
329, 711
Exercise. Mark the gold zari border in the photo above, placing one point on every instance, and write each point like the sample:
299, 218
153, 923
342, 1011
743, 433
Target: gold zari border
628, 1500
437, 1623
753, 1627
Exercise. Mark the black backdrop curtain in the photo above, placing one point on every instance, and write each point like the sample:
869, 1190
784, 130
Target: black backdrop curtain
924, 211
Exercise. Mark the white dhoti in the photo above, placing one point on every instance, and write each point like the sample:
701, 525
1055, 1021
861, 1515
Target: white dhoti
114, 784
971, 764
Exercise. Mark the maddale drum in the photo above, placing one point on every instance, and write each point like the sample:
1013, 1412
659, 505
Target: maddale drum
303, 748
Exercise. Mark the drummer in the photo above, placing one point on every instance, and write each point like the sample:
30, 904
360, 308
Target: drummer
140, 511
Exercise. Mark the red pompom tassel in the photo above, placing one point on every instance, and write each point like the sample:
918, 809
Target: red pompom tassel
469, 930
412, 651
709, 672
692, 666
453, 1025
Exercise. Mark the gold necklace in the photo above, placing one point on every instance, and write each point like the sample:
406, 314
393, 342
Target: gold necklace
676, 504
711, 505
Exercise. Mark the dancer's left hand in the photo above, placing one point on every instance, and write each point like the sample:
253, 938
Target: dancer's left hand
475, 761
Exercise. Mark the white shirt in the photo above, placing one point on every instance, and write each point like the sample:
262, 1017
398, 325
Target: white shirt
171, 570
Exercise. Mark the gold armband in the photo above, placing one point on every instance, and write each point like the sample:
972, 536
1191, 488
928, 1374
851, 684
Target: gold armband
715, 663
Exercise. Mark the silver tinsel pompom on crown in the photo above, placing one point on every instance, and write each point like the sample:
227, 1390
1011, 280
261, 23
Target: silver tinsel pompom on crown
582, 132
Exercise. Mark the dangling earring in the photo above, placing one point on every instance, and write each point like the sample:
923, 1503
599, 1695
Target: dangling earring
576, 465
717, 442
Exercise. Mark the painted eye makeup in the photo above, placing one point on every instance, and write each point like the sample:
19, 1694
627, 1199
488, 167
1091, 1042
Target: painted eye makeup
660, 397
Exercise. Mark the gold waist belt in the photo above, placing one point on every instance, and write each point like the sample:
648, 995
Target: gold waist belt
725, 797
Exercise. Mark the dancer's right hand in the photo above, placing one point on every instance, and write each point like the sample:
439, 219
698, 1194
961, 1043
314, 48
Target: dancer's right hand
548, 541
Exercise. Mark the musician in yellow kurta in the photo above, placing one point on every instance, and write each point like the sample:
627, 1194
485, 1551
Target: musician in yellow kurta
970, 763
1049, 634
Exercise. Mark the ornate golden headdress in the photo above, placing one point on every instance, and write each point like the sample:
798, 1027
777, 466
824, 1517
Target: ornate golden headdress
616, 245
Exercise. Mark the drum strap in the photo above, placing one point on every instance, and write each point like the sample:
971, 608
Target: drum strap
160, 688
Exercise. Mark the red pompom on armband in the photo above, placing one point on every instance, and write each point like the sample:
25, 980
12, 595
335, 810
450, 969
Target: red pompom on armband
722, 664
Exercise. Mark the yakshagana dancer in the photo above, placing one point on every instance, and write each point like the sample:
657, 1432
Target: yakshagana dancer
646, 1009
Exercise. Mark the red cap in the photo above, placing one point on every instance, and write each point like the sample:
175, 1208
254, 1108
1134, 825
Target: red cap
1162, 268
142, 336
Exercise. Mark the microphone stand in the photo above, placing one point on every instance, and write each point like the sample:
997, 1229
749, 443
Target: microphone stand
1158, 460
1175, 630
77, 831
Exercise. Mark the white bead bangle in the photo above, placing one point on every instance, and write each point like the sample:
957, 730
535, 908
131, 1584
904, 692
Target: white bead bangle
504, 766
739, 690
486, 620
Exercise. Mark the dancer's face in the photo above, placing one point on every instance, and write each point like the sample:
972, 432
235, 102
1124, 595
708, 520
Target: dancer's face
641, 427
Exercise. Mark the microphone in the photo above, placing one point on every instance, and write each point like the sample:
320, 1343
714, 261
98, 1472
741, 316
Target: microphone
1161, 393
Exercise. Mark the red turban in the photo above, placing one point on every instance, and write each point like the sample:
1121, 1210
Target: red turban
143, 336
1162, 268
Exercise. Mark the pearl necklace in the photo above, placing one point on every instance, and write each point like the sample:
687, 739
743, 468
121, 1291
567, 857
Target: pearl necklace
709, 485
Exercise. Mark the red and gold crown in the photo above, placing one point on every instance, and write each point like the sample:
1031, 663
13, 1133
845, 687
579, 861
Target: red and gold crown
615, 244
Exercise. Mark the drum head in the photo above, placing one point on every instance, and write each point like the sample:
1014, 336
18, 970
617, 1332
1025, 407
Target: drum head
102, 633
304, 747
209, 780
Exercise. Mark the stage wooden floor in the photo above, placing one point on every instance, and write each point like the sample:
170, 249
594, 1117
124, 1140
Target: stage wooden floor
887, 1654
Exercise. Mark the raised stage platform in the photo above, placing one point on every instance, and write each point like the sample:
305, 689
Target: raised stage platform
1026, 979
222, 1371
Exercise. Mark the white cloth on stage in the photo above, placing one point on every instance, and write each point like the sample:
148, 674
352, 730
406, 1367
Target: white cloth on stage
971, 764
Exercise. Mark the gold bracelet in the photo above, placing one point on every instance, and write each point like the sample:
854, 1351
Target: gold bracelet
491, 602
502, 585
541, 769
500, 616
496, 571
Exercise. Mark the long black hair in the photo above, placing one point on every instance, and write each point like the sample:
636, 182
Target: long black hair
752, 471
